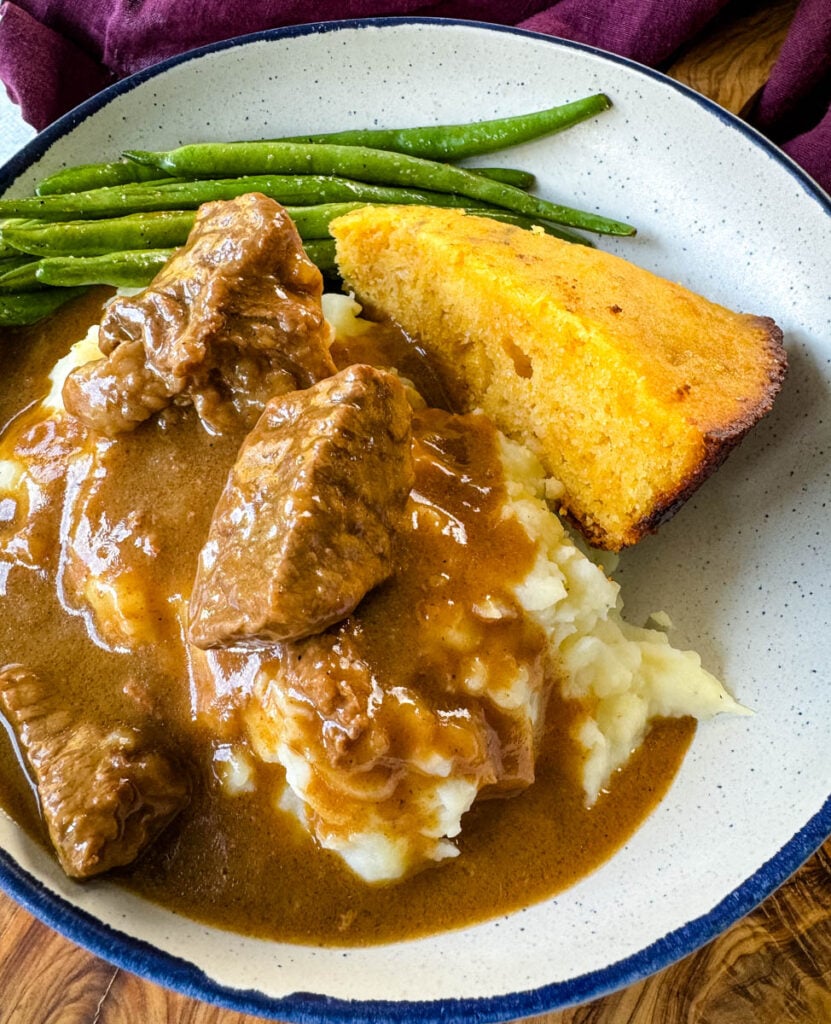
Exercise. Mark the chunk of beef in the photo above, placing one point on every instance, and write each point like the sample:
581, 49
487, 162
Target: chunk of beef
232, 319
342, 720
114, 395
305, 525
104, 794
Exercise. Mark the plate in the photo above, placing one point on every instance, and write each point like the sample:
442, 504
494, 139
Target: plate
743, 570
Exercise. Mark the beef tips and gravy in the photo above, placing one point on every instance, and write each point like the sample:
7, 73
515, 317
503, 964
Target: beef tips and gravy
305, 526
233, 319
279, 630
104, 793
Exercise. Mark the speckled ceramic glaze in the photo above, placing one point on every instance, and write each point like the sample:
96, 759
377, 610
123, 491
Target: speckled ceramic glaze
743, 570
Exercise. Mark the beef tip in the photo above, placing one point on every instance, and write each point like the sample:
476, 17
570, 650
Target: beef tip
114, 395
104, 795
305, 525
232, 319
329, 703
327, 693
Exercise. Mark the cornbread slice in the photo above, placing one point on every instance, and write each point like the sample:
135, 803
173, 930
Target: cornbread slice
630, 388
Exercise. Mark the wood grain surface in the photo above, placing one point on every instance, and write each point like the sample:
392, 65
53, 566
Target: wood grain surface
772, 967
734, 56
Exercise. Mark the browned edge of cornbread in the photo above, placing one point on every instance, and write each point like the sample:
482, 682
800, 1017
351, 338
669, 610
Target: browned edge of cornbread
719, 444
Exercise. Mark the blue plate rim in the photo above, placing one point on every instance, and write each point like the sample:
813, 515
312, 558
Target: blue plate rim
140, 957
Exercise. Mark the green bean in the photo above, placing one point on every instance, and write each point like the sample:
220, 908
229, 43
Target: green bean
118, 269
442, 142
124, 172
158, 230
7, 250
86, 176
369, 165
508, 175
20, 279
321, 251
162, 229
137, 269
13, 262
313, 221
28, 307
300, 190
453, 142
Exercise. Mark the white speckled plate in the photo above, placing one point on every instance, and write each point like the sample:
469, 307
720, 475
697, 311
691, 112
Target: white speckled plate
743, 570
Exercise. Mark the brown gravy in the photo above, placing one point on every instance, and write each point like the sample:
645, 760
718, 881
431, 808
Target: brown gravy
233, 862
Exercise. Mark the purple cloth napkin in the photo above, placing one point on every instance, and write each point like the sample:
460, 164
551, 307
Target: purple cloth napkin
54, 53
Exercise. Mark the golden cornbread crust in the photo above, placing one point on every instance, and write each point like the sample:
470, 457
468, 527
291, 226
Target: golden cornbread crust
719, 444
630, 388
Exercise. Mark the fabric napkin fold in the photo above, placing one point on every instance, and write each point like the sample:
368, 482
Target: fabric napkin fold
55, 53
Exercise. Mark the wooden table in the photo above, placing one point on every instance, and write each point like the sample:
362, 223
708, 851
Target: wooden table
773, 967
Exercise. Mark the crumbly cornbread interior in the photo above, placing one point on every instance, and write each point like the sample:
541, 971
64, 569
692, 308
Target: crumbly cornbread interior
630, 388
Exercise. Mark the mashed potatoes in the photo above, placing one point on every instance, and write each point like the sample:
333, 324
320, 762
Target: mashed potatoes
622, 676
